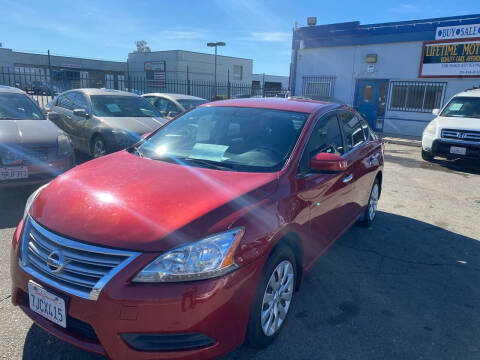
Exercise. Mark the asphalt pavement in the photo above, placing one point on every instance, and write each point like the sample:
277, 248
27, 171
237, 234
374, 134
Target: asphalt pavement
406, 288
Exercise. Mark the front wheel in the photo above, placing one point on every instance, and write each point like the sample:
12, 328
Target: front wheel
371, 210
99, 148
426, 155
273, 298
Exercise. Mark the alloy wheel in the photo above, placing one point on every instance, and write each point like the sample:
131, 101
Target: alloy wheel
99, 148
277, 298
373, 202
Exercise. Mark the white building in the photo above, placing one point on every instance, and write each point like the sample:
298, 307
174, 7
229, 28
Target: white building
393, 73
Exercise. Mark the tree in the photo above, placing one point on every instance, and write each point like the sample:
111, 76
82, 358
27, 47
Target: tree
141, 46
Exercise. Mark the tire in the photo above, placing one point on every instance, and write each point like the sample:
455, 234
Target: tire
426, 155
98, 143
370, 212
258, 331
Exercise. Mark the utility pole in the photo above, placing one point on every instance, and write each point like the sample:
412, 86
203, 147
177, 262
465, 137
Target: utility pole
49, 66
215, 45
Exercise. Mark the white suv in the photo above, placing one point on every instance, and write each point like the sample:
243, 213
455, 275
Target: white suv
455, 132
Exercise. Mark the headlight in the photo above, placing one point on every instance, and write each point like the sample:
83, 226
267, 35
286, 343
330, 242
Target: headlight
64, 146
203, 259
125, 138
431, 128
31, 199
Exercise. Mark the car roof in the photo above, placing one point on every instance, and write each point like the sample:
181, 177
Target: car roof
175, 96
10, 89
93, 91
290, 104
471, 93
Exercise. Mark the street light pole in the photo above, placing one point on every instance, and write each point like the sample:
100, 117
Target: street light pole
215, 45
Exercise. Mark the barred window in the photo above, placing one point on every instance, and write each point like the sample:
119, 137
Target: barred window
416, 96
317, 86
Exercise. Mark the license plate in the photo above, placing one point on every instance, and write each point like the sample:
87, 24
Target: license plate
48, 305
458, 150
13, 172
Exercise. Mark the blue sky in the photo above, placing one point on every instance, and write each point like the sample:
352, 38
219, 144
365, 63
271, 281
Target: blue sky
260, 30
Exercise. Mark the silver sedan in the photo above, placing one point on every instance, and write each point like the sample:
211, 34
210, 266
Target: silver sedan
33, 150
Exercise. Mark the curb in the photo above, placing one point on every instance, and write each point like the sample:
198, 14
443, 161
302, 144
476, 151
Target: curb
406, 142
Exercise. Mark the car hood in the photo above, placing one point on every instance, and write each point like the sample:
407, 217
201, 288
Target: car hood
137, 125
124, 201
458, 123
34, 132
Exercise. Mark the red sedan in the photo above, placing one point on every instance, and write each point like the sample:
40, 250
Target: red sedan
196, 238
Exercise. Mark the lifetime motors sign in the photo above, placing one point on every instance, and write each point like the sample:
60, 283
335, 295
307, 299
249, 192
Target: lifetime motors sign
450, 59
457, 32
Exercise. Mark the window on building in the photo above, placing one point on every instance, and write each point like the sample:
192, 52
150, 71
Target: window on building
109, 81
317, 87
121, 82
84, 79
237, 72
416, 96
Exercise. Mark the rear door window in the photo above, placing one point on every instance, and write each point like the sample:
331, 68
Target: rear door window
352, 129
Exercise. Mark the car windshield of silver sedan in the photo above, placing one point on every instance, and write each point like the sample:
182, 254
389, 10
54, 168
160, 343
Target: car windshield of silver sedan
190, 103
122, 106
227, 138
462, 106
18, 107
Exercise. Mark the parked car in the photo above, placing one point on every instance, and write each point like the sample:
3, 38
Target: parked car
196, 238
455, 131
171, 105
101, 121
42, 88
32, 149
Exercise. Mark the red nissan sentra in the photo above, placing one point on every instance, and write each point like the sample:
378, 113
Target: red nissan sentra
195, 239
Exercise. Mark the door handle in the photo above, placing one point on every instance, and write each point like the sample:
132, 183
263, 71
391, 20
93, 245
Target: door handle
348, 178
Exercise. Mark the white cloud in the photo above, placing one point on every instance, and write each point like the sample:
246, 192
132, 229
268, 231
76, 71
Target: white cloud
180, 35
269, 37
406, 8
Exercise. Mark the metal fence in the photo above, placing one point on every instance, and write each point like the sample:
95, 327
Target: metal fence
42, 87
416, 96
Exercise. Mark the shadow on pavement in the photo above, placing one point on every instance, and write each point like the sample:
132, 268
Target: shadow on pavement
403, 289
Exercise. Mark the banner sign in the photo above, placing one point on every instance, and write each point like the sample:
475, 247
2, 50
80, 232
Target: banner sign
457, 32
155, 73
154, 65
451, 58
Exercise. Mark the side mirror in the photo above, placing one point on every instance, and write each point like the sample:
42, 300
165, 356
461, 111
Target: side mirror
436, 112
173, 113
80, 113
328, 162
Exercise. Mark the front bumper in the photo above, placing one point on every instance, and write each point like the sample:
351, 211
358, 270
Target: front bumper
441, 147
217, 308
42, 173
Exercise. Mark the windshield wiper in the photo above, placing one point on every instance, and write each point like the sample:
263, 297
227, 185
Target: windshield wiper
138, 151
8, 118
209, 163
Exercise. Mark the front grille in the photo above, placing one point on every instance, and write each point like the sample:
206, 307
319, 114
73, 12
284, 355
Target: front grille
462, 135
34, 155
71, 266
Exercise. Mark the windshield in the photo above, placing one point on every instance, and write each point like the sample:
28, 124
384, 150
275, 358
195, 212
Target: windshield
228, 138
190, 103
462, 106
18, 107
122, 106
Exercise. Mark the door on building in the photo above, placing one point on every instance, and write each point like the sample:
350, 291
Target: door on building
371, 100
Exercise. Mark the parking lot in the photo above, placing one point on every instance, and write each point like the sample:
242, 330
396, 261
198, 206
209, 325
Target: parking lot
406, 288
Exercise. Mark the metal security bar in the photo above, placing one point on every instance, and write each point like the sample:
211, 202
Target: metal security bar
42, 87
416, 96
318, 86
